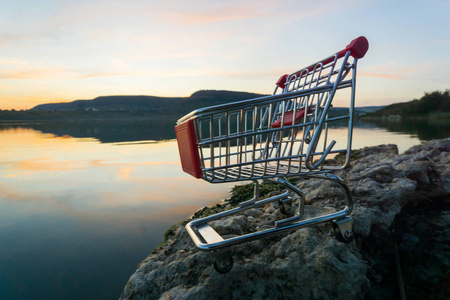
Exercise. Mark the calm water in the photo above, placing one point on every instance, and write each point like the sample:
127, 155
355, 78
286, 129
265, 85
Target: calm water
81, 206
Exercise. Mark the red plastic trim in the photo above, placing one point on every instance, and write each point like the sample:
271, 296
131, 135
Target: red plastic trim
187, 147
282, 81
288, 118
358, 48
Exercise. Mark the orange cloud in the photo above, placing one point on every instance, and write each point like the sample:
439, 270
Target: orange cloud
46, 73
379, 75
207, 12
389, 70
106, 74
212, 16
33, 74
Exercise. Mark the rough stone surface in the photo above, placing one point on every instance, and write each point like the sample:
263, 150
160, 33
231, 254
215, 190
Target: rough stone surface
401, 222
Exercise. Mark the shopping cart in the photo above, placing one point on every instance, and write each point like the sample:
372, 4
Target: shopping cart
271, 138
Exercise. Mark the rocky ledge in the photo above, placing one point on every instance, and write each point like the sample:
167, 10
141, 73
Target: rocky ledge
401, 247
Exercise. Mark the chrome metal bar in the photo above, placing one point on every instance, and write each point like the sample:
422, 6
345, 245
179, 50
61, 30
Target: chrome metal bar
350, 121
317, 132
260, 100
280, 227
261, 234
223, 214
301, 205
249, 140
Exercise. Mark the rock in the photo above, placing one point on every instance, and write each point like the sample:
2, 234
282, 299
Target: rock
409, 242
389, 149
400, 210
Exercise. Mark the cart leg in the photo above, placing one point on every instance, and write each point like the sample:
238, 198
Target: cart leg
286, 205
255, 198
223, 261
343, 229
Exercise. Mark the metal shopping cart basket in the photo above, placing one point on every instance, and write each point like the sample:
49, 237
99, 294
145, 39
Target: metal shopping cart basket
271, 138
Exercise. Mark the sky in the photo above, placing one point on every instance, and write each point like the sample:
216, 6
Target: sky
61, 50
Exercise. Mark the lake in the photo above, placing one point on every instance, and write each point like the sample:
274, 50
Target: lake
81, 205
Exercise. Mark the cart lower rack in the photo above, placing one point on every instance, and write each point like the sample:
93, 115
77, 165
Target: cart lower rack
272, 138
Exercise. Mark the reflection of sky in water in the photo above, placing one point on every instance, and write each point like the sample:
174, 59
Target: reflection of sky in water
77, 216
364, 137
93, 175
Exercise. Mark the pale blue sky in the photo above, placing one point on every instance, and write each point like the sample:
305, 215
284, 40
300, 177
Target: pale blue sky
59, 51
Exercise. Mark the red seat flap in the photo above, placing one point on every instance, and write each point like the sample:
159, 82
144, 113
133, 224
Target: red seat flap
187, 147
288, 118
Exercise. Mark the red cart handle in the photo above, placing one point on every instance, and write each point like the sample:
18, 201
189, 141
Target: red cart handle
358, 48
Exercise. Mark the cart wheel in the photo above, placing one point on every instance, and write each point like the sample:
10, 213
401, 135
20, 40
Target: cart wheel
286, 207
344, 236
283, 210
223, 266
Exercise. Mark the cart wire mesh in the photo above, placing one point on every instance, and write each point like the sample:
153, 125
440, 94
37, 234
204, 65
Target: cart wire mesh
284, 134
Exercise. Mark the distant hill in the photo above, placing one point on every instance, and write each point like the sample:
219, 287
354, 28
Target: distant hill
140, 107
431, 104
167, 105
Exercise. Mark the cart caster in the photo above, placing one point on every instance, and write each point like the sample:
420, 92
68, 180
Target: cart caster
343, 230
223, 262
286, 207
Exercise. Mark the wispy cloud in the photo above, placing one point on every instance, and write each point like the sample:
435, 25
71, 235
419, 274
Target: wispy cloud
66, 50
23, 70
6, 39
33, 74
182, 12
380, 75
16, 68
106, 74
6, 61
390, 70
215, 14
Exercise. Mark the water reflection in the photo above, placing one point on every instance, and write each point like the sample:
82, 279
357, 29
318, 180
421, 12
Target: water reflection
82, 204
424, 129
77, 215
123, 132
105, 131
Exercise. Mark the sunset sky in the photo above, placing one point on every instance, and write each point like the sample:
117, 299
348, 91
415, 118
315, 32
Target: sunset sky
60, 50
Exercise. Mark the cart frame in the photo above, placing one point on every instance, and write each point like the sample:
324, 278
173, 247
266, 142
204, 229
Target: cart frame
272, 138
